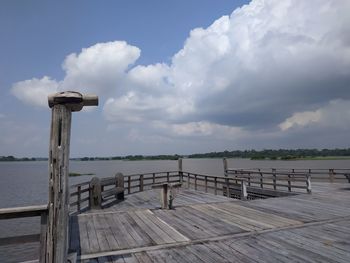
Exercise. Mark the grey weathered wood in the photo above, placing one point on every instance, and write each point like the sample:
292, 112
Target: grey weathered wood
25, 211
74, 101
95, 193
43, 236
244, 194
119, 178
78, 198
15, 240
308, 183
62, 104
180, 170
58, 184
274, 178
141, 182
225, 165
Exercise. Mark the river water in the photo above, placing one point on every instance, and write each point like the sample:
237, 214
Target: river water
26, 183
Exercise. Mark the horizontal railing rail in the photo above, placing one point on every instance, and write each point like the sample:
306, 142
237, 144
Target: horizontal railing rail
275, 180
218, 185
317, 174
23, 212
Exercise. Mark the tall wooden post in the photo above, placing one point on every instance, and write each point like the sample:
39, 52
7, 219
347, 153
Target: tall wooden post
62, 104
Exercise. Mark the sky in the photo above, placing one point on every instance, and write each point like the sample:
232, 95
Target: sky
177, 77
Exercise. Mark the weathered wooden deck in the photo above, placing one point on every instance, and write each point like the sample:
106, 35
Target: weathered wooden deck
208, 228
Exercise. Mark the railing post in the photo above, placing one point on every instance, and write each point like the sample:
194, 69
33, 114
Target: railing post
261, 180
62, 104
154, 178
79, 198
141, 182
308, 183
227, 187
274, 178
188, 180
216, 185
225, 165
167, 177
43, 241
331, 175
195, 182
129, 184
119, 181
95, 193
206, 183
244, 194
179, 162
289, 183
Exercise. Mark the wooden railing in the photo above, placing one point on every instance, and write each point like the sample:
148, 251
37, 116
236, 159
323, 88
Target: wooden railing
274, 180
218, 185
241, 184
133, 183
317, 175
28, 211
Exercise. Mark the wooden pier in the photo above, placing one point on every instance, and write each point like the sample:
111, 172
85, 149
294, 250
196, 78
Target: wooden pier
205, 227
245, 215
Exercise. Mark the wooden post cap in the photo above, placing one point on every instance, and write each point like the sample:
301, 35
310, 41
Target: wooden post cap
74, 100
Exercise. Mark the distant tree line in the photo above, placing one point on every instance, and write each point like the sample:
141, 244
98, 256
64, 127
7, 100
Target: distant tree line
11, 158
132, 158
282, 154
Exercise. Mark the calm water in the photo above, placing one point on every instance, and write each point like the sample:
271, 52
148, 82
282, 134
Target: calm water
26, 183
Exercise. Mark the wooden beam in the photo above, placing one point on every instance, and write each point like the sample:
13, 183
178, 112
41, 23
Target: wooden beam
25, 211
15, 240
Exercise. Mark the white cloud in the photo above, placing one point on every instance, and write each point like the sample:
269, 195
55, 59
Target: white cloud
301, 119
99, 69
35, 91
336, 114
266, 66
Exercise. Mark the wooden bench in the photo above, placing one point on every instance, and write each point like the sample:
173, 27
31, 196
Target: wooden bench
117, 189
99, 194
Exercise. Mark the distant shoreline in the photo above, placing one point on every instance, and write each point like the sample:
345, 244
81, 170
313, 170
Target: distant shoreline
281, 154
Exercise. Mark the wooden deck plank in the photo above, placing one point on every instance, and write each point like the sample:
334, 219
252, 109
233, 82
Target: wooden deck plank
143, 257
180, 224
208, 228
210, 222
177, 236
145, 217
100, 228
145, 228
74, 240
83, 235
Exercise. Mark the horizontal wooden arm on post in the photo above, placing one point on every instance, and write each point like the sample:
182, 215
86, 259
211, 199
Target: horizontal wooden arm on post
72, 99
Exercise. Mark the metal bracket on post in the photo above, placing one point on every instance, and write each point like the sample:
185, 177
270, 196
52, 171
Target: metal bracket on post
62, 104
